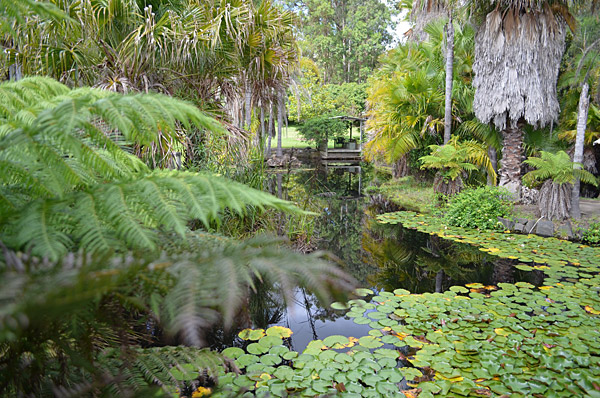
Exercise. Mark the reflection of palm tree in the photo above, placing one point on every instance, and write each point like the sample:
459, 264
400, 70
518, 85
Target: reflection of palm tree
503, 271
266, 306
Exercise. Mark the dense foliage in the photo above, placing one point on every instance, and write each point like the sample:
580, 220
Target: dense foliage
319, 129
478, 208
315, 98
344, 37
406, 97
103, 256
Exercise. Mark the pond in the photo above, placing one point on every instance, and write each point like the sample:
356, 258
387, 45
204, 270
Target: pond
380, 257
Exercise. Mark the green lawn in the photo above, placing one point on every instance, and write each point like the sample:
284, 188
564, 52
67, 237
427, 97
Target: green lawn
291, 139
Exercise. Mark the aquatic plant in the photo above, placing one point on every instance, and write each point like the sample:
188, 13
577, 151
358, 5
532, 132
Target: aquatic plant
473, 340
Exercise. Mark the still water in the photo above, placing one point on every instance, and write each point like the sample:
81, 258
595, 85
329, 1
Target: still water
380, 257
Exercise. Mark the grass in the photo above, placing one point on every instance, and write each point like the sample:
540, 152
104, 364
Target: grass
290, 138
409, 194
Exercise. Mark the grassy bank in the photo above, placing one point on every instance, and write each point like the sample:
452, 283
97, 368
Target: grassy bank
407, 193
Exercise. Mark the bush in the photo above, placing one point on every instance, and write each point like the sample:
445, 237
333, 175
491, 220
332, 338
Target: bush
479, 208
319, 128
592, 235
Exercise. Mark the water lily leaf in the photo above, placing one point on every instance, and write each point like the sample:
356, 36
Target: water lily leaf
411, 373
320, 386
370, 342
246, 359
363, 292
257, 349
250, 334
591, 310
459, 289
340, 306
290, 355
270, 359
362, 320
233, 352
279, 331
336, 341
376, 315
314, 347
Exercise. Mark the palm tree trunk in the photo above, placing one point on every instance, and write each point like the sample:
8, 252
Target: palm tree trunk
512, 155
261, 132
449, 76
554, 200
493, 155
248, 110
400, 167
280, 111
270, 131
582, 115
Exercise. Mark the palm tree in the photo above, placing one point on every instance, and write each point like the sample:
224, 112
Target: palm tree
406, 100
558, 173
430, 10
518, 49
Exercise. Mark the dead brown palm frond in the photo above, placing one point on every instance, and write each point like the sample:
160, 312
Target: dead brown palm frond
517, 56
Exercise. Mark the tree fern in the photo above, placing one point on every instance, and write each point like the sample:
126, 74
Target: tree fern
128, 213
558, 167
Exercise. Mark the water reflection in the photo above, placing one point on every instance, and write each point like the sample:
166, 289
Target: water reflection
381, 257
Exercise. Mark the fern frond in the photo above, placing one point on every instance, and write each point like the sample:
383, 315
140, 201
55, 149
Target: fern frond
220, 278
558, 167
127, 213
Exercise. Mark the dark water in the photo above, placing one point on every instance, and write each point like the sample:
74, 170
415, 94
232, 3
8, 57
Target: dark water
380, 257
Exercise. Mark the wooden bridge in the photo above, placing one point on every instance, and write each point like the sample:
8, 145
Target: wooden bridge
341, 155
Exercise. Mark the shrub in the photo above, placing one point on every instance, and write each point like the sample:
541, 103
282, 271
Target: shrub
319, 128
479, 208
592, 235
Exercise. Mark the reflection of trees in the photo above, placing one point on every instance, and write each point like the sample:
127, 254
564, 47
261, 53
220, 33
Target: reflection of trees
419, 262
340, 230
266, 306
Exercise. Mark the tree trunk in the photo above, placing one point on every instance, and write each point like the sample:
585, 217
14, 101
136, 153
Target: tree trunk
439, 279
449, 188
512, 156
493, 155
261, 133
280, 111
449, 75
400, 167
582, 115
270, 131
248, 110
554, 200
14, 72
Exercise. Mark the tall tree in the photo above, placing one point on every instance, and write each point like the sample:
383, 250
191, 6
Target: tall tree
427, 10
518, 50
344, 37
